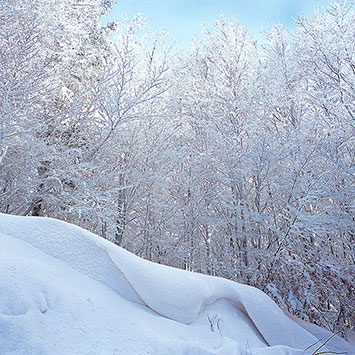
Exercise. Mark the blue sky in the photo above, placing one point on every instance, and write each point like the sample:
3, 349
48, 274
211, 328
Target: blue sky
182, 18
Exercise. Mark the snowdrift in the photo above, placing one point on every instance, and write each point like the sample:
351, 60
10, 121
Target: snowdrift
66, 291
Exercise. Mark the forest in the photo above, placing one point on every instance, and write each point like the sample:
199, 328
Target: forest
235, 159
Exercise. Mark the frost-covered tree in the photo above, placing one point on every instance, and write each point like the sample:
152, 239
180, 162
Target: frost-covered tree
216, 100
129, 109
46, 68
24, 87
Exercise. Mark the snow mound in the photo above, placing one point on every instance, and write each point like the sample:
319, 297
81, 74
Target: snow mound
64, 290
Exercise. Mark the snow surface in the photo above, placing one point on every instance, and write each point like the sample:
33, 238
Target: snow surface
66, 291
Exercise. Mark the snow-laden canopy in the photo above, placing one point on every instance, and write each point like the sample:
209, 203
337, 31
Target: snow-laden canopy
64, 290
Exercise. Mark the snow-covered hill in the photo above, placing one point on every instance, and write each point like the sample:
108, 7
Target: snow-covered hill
66, 291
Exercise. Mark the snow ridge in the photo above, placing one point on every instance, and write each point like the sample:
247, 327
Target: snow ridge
63, 278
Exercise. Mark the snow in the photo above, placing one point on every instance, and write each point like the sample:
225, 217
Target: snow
66, 291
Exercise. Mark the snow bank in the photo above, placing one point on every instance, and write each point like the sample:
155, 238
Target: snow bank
64, 290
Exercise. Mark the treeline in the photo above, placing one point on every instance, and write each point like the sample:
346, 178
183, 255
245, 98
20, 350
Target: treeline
235, 160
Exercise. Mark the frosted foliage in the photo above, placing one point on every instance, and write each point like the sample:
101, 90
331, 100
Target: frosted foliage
234, 160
